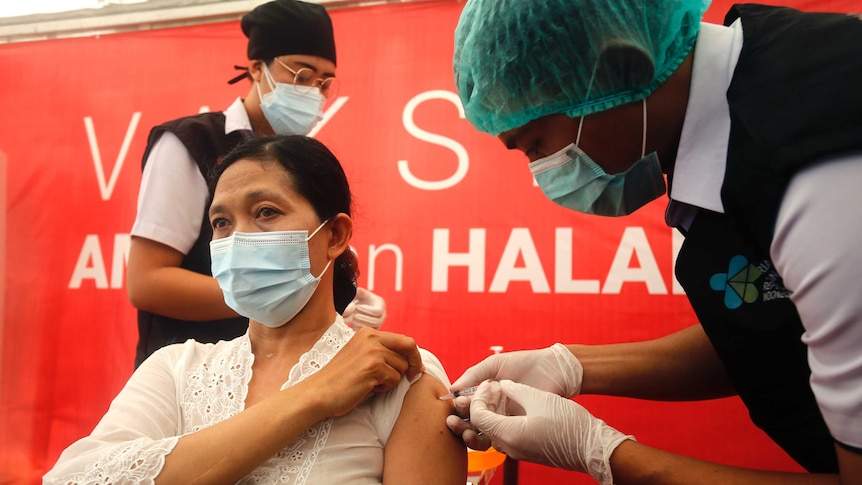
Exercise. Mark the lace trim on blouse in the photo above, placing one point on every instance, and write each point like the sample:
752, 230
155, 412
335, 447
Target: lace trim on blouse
217, 390
139, 461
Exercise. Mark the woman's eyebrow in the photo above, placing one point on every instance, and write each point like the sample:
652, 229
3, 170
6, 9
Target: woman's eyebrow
250, 198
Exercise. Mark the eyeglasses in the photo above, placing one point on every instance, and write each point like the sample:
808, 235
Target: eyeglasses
304, 78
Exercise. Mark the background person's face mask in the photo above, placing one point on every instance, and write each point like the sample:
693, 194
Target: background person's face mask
265, 276
289, 111
573, 180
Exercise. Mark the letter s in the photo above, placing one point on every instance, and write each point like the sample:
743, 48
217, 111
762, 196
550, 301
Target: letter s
463, 159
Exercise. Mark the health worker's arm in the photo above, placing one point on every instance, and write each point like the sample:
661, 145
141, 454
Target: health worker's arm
542, 427
171, 206
634, 463
681, 366
157, 284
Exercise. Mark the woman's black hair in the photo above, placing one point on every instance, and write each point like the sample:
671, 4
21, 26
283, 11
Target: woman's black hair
318, 177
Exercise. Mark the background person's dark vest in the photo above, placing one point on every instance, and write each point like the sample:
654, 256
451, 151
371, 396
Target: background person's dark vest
204, 137
794, 99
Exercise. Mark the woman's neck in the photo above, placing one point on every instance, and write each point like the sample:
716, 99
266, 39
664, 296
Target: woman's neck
294, 337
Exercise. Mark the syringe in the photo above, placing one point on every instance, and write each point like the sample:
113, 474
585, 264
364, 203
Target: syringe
463, 392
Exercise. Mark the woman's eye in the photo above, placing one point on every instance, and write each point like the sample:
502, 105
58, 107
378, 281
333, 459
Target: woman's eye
266, 212
219, 223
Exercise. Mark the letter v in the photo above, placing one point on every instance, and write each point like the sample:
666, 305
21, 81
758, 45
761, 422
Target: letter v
107, 188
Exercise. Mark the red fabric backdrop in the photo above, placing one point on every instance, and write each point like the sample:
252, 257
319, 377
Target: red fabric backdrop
450, 229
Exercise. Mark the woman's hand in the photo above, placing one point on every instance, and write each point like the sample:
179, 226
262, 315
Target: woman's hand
372, 361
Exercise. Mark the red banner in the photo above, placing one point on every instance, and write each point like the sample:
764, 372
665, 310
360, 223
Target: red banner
450, 229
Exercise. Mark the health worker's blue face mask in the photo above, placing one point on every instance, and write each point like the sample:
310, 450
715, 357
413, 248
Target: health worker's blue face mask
289, 110
573, 180
265, 276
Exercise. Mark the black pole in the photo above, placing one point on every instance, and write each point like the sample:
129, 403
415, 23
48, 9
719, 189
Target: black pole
510, 471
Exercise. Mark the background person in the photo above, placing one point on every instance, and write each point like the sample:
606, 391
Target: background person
300, 397
758, 127
291, 49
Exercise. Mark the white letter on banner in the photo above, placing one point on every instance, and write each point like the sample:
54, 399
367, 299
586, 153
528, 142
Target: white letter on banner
328, 114
373, 252
107, 188
634, 242
463, 158
473, 260
678, 239
520, 242
91, 251
122, 242
563, 282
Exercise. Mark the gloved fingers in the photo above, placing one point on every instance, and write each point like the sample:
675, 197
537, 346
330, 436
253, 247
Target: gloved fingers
522, 400
488, 408
471, 437
484, 370
486, 398
461, 425
462, 406
362, 318
367, 299
366, 309
370, 312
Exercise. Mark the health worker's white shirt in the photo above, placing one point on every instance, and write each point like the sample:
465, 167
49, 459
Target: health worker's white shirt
173, 193
184, 388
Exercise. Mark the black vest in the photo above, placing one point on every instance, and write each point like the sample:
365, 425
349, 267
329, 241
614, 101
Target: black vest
793, 100
204, 137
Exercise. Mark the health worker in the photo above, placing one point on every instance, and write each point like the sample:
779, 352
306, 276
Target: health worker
291, 69
753, 129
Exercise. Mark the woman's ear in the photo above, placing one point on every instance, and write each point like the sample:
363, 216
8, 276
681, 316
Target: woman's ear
341, 230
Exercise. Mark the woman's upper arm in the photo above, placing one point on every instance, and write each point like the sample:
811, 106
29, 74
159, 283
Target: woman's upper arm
421, 449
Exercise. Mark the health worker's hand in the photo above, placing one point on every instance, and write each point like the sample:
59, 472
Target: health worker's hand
553, 369
372, 361
542, 427
366, 310
459, 424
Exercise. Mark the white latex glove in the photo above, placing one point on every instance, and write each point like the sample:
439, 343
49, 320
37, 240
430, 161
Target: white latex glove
542, 427
366, 310
553, 369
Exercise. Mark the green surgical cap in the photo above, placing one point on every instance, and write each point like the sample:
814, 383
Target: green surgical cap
518, 60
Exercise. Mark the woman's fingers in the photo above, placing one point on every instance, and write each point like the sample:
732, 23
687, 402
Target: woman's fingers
371, 361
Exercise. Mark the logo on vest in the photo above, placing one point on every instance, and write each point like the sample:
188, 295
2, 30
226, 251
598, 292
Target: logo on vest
740, 283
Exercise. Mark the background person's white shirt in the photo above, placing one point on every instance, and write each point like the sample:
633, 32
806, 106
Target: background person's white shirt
173, 193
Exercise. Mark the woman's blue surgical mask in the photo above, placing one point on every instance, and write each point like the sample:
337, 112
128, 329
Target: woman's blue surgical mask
265, 276
289, 111
573, 180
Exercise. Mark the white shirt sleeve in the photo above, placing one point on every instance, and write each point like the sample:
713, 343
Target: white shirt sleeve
816, 251
131, 441
387, 407
172, 197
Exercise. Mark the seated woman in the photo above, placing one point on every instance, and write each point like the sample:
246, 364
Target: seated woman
300, 398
